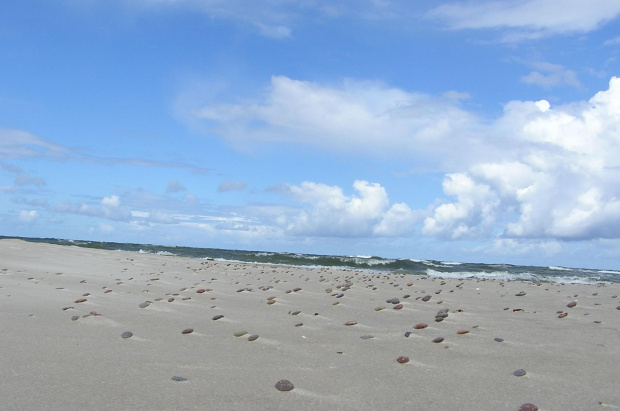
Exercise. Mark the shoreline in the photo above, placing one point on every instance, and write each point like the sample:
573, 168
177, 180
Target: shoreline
52, 360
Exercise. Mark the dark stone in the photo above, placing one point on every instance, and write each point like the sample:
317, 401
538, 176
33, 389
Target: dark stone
217, 317
284, 385
127, 334
407, 334
420, 326
562, 315
398, 306
528, 407
403, 360
519, 373
426, 298
393, 301
187, 331
177, 378
367, 337
571, 304
499, 339
438, 340
520, 294
252, 337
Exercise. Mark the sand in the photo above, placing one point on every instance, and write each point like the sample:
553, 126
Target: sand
59, 354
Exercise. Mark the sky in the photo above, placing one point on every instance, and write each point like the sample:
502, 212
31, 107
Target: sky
469, 131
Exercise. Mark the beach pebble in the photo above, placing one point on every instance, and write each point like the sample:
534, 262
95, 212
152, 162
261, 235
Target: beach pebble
498, 339
438, 340
403, 360
217, 317
426, 298
202, 290
571, 304
75, 318
296, 289
528, 407
519, 373
562, 315
80, 300
392, 301
462, 331
407, 334
420, 326
127, 334
252, 337
240, 333
350, 323
520, 294
295, 312
144, 304
177, 378
379, 308
398, 306
438, 319
284, 385
187, 331
367, 337
299, 324
270, 302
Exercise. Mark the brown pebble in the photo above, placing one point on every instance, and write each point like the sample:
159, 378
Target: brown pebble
438, 340
202, 290
462, 331
420, 326
426, 298
80, 300
350, 323
403, 360
295, 312
571, 304
270, 302
252, 337
284, 385
170, 299
398, 306
336, 303
438, 319
240, 333
187, 331
528, 407
562, 315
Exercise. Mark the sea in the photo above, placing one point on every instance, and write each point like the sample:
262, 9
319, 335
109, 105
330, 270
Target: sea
370, 264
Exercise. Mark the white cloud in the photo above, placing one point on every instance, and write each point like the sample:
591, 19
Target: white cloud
528, 18
549, 75
28, 216
329, 212
231, 186
21, 144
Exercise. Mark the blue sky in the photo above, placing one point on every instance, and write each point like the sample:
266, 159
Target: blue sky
475, 131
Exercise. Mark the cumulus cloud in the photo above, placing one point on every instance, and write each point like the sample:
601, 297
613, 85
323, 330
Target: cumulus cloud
329, 212
563, 183
28, 216
528, 18
109, 208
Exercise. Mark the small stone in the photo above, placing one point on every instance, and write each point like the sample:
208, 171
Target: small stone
403, 360
398, 306
217, 317
127, 334
571, 304
270, 302
75, 318
80, 300
438, 340
144, 304
528, 407
187, 331
367, 337
299, 324
438, 319
498, 339
295, 312
252, 337
392, 301
420, 326
350, 323
240, 333
406, 296
519, 373
297, 289
202, 290
170, 299
284, 385
407, 334
520, 294
426, 298
379, 308
562, 315
336, 303
67, 308
462, 331
177, 378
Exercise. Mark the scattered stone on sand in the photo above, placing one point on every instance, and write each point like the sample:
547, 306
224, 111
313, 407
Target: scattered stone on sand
462, 331
252, 337
299, 324
562, 315
407, 334
295, 312
519, 373
240, 333
75, 318
217, 317
392, 301
403, 360
398, 306
380, 308
284, 385
438, 340
127, 334
571, 304
528, 407
426, 298
177, 378
202, 290
296, 289
67, 308
420, 326
350, 323
187, 331
144, 304
80, 300
520, 294
270, 302
170, 299
498, 339
367, 337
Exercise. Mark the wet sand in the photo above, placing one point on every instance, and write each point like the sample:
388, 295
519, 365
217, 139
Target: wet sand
162, 333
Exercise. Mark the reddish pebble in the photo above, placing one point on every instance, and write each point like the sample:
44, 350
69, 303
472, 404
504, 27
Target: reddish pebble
420, 326
350, 323
438, 340
462, 331
202, 290
81, 300
528, 407
398, 306
562, 315
252, 337
95, 313
403, 360
571, 305
284, 385
187, 331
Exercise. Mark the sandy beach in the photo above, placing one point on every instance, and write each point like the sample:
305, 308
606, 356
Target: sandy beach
110, 330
